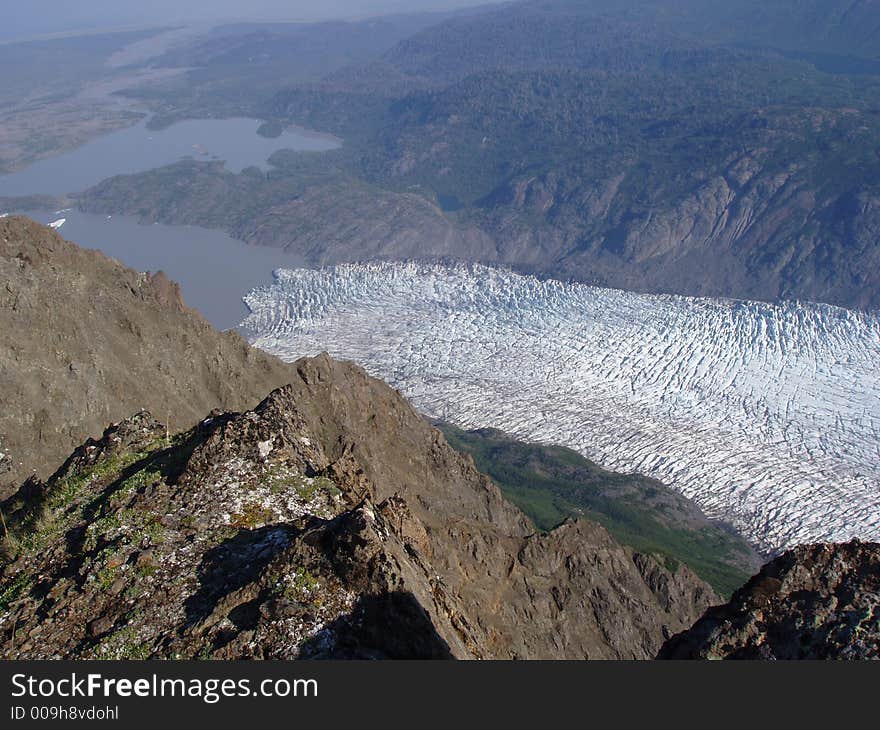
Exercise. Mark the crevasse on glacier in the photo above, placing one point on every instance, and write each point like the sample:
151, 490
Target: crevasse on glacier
768, 415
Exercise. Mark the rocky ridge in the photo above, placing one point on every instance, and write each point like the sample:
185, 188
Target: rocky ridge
330, 521
813, 602
85, 341
279, 533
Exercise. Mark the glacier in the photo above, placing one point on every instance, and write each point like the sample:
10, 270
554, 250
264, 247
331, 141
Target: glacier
767, 415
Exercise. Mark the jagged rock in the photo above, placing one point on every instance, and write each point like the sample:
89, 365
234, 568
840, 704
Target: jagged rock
813, 602
331, 521
85, 341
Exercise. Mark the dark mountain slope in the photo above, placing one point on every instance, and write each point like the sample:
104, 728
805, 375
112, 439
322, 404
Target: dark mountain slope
813, 602
716, 149
615, 34
551, 484
233, 68
637, 183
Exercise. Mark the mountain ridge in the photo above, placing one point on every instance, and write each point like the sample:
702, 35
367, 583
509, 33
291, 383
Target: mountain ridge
330, 521
812, 602
85, 371
333, 480
145, 533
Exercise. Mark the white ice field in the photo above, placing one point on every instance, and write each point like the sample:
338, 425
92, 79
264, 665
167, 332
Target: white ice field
768, 416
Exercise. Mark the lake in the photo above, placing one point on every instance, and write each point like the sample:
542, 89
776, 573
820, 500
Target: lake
213, 269
136, 149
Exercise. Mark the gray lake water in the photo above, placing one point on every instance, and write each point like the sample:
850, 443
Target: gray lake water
136, 149
213, 269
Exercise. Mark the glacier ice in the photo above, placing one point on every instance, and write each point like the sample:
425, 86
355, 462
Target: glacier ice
767, 415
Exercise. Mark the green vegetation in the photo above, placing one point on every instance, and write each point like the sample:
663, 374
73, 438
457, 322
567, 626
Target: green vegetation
123, 644
551, 484
145, 570
279, 478
107, 575
251, 516
84, 495
308, 487
14, 590
66, 489
522, 91
140, 479
61, 76
39, 524
304, 581
132, 523
300, 587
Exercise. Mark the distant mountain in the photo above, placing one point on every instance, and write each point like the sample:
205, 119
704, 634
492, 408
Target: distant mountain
233, 68
813, 602
698, 148
632, 33
702, 148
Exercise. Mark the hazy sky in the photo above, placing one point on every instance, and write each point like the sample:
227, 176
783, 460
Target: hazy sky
36, 17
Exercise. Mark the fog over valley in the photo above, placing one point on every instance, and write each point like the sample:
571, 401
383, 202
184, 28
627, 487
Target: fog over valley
43, 17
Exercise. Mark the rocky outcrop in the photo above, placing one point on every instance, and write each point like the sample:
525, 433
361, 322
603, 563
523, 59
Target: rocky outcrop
85, 341
331, 521
814, 602
261, 561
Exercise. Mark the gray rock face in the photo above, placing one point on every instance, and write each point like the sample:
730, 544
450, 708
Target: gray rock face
331, 521
814, 602
745, 230
85, 341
